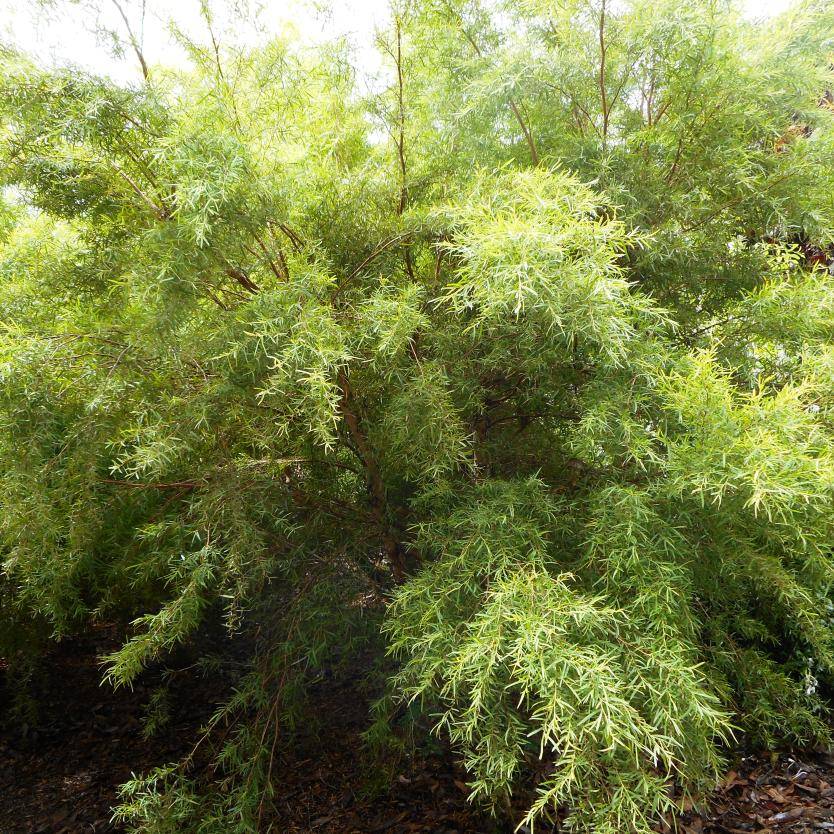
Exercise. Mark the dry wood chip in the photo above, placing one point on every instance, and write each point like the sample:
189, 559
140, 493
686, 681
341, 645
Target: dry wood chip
791, 814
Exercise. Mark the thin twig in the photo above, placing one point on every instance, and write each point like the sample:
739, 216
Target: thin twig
134, 42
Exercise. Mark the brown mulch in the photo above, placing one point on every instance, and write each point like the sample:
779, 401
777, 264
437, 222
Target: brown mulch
772, 795
325, 786
61, 776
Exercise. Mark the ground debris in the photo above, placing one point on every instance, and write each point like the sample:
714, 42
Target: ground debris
772, 794
62, 778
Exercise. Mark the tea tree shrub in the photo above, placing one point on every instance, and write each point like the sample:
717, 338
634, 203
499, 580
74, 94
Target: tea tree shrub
517, 372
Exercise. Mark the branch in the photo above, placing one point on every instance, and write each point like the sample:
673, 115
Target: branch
602, 91
158, 211
401, 106
139, 485
528, 136
376, 253
242, 278
219, 66
294, 238
137, 48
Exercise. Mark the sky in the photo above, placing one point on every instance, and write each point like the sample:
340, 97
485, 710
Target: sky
60, 32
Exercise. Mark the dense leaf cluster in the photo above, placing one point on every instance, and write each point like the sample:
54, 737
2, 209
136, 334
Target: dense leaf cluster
518, 370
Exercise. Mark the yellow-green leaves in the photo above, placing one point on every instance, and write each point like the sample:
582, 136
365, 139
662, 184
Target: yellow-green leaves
539, 246
763, 450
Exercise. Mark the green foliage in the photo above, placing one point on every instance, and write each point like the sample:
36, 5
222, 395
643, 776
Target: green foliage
518, 371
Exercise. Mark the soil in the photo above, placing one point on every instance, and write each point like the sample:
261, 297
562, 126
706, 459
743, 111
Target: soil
61, 775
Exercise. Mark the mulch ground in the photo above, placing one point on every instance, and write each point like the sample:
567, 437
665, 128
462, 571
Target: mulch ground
773, 794
61, 776
62, 773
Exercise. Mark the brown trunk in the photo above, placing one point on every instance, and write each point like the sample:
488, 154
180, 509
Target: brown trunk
376, 488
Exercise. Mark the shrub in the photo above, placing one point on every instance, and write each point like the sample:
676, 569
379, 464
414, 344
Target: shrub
518, 370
